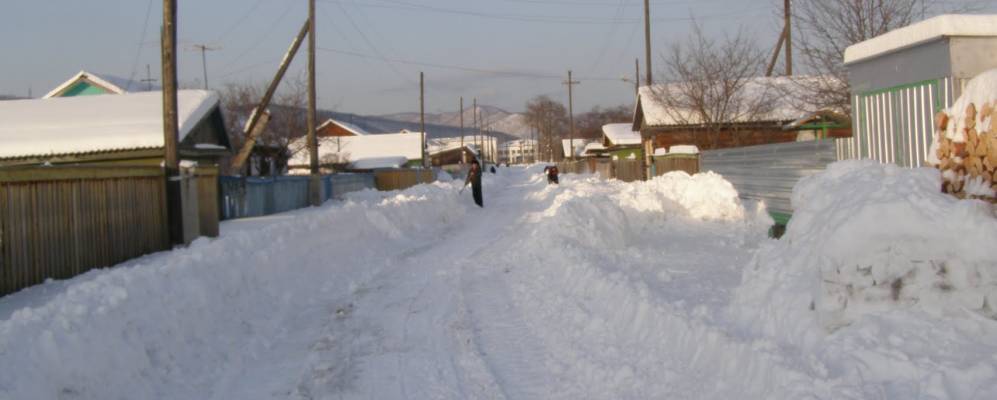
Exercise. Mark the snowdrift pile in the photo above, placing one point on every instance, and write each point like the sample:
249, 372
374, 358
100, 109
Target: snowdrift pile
965, 141
607, 301
167, 325
867, 237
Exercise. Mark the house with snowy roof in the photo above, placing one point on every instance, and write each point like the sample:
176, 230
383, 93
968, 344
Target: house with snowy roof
336, 128
662, 125
122, 129
387, 150
620, 141
900, 80
88, 84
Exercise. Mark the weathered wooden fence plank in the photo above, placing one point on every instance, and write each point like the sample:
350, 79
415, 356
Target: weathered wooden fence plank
58, 222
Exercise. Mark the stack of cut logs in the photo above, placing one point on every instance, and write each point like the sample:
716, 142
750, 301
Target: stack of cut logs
971, 159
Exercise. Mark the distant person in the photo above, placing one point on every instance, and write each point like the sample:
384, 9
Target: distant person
552, 172
493, 169
474, 178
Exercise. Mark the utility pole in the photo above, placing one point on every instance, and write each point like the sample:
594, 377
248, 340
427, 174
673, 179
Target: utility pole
647, 39
171, 161
148, 77
637, 76
204, 59
571, 115
785, 42
789, 38
474, 110
250, 130
461, 112
315, 183
422, 115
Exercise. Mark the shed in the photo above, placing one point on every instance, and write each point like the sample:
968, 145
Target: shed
901, 79
123, 129
621, 141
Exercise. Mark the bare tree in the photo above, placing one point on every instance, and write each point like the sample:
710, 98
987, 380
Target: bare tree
287, 118
589, 124
825, 28
550, 119
714, 83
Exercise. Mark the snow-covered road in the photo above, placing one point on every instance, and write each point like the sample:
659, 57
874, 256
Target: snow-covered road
590, 289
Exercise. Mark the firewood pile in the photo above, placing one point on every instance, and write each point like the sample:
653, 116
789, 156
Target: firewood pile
967, 151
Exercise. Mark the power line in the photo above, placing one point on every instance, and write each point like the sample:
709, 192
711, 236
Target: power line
239, 21
259, 40
507, 73
551, 19
371, 44
138, 53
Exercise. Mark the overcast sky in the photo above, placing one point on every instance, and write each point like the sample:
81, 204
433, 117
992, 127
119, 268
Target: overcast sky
371, 51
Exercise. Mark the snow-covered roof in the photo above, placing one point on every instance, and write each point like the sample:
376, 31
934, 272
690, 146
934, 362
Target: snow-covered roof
579, 147
110, 83
924, 31
379, 162
593, 148
683, 149
85, 124
620, 135
786, 92
356, 148
355, 130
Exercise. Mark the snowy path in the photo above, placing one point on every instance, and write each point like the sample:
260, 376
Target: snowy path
587, 290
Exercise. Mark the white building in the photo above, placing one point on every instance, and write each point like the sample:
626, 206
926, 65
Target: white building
521, 151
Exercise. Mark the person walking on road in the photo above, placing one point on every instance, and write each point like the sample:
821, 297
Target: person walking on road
474, 178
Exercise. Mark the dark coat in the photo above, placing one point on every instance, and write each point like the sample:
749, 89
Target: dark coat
474, 178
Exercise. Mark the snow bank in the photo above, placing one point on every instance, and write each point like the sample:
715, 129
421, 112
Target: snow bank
891, 268
170, 325
867, 237
618, 257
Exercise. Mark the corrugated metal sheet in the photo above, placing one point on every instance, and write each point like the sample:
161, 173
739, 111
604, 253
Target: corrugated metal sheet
769, 172
243, 197
895, 125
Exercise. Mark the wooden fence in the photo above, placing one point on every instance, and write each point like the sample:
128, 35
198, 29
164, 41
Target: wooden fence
398, 179
58, 222
631, 170
676, 162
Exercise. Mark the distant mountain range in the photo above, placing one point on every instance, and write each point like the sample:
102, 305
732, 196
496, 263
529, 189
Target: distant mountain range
493, 119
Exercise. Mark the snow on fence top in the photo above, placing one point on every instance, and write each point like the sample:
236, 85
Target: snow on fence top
620, 134
927, 30
85, 124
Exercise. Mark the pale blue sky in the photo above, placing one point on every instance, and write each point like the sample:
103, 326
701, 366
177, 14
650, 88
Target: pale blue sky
501, 51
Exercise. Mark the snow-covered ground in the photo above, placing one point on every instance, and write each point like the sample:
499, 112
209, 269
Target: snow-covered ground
590, 289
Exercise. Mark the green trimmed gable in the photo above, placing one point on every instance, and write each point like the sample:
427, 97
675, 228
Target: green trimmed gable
83, 89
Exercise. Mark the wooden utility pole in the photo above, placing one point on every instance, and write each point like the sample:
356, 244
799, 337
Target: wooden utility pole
171, 160
647, 39
785, 42
204, 59
571, 115
474, 128
461, 112
422, 115
789, 38
315, 186
249, 130
148, 77
636, 76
